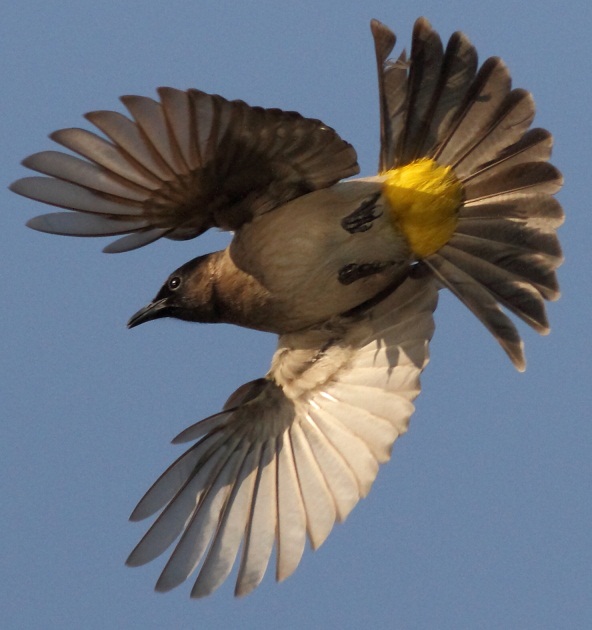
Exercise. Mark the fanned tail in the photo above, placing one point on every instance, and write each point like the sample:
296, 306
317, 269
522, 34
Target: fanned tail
504, 251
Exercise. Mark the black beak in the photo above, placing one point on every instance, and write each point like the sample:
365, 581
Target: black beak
154, 310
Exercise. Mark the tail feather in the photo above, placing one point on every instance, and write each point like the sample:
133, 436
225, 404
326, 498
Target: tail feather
534, 146
475, 114
524, 178
518, 294
395, 90
392, 91
536, 210
519, 235
508, 124
529, 266
424, 77
504, 251
482, 303
458, 70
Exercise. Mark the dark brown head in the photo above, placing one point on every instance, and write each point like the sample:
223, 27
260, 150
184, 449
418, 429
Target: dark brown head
189, 294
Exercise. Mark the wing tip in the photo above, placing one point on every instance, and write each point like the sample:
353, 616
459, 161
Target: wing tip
136, 516
133, 560
37, 224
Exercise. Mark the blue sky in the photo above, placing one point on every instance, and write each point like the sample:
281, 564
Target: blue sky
482, 519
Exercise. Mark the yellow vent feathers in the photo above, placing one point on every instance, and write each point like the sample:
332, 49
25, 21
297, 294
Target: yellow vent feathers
424, 200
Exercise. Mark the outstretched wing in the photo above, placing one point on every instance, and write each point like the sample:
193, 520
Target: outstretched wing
291, 453
180, 166
440, 105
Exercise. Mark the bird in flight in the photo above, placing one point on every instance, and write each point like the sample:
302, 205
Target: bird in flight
345, 271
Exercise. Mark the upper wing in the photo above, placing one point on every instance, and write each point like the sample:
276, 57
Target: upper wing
180, 166
293, 452
440, 105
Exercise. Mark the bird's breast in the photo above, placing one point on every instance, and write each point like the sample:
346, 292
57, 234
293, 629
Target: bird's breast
323, 254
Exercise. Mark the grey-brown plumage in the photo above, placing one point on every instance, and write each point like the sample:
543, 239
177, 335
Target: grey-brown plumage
192, 162
328, 265
504, 251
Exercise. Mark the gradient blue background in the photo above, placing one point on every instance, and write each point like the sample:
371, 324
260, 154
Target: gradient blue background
483, 517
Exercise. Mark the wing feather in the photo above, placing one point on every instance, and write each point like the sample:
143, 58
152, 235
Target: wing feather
261, 527
185, 164
203, 523
128, 136
291, 513
338, 476
376, 432
316, 498
70, 223
231, 529
111, 157
71, 196
293, 452
85, 174
151, 120
353, 449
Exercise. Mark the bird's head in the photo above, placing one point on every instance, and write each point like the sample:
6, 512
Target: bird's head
189, 293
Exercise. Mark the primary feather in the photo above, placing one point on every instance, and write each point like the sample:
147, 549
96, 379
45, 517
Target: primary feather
294, 459
191, 162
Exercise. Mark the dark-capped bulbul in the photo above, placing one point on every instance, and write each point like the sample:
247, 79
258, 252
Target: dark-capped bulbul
345, 271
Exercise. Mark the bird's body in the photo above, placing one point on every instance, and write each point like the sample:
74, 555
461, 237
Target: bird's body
314, 258
312, 277
345, 271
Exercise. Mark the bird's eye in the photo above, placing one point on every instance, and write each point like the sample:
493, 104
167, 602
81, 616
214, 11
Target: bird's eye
174, 283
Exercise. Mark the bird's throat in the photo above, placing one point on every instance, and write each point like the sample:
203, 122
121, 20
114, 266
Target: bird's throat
424, 200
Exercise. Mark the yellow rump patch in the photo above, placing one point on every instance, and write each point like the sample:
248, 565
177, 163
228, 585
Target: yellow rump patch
424, 200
